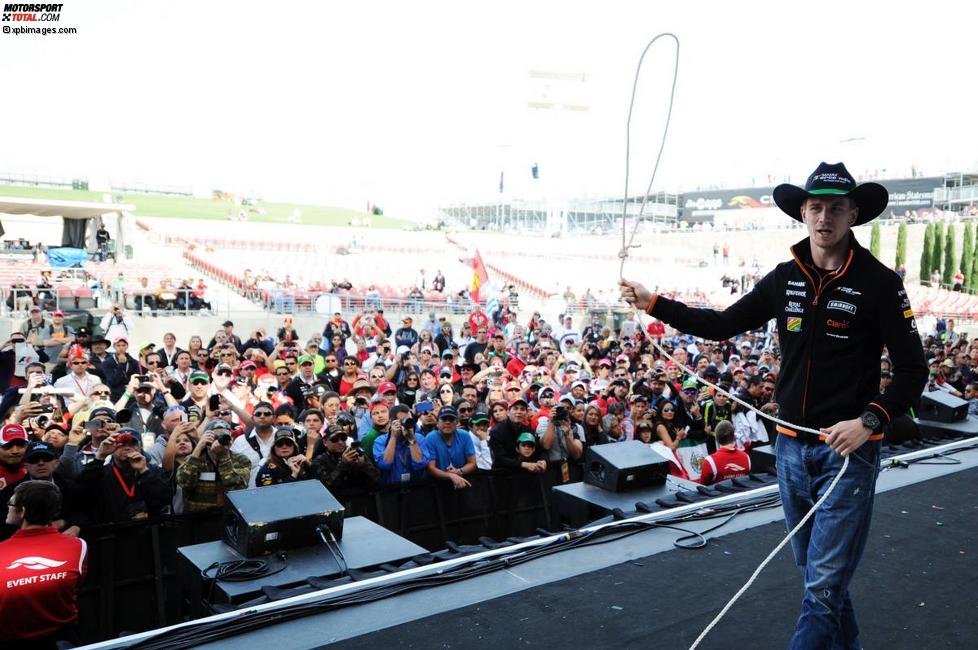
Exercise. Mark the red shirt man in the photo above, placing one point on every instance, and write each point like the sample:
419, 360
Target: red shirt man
13, 445
478, 319
39, 567
727, 461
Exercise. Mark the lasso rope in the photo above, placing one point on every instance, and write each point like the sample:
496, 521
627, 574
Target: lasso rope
627, 243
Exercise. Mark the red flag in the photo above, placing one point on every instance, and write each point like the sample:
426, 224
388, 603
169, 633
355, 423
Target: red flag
479, 275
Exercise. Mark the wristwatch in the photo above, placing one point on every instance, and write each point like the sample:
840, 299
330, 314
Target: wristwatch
871, 422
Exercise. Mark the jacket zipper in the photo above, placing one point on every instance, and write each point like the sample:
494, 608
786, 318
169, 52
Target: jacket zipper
811, 347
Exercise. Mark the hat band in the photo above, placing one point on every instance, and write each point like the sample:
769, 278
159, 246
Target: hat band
829, 190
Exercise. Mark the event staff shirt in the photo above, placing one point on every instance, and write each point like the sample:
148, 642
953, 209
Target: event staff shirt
39, 573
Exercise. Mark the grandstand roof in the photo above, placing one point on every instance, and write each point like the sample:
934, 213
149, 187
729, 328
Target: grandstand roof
55, 208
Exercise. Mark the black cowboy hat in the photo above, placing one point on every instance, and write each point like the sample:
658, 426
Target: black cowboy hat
833, 180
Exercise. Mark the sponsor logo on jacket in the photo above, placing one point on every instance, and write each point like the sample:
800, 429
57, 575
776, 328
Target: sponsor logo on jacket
847, 307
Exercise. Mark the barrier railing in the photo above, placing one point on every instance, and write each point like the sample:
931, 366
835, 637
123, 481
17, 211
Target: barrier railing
134, 580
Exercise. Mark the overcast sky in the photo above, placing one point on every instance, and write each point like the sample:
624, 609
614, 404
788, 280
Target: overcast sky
416, 104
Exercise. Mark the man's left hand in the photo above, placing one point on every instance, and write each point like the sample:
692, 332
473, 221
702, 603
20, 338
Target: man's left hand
847, 436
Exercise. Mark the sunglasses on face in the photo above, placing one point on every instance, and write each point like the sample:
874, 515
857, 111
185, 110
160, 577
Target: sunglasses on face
668, 410
79, 363
262, 414
152, 363
224, 373
284, 443
339, 437
101, 392
199, 382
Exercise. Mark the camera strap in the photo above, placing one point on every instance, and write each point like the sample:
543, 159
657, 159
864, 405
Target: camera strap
130, 490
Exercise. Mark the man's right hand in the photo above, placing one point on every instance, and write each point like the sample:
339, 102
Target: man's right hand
77, 435
106, 448
635, 294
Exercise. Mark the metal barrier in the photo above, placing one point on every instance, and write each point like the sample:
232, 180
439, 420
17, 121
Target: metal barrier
133, 581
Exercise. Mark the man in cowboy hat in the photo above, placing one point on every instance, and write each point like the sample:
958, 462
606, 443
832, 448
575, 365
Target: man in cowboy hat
836, 306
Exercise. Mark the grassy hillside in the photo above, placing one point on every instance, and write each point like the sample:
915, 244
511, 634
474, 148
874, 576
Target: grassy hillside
193, 208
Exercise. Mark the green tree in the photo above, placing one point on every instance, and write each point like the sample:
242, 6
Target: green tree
937, 248
973, 278
901, 245
874, 240
925, 254
948, 256
967, 247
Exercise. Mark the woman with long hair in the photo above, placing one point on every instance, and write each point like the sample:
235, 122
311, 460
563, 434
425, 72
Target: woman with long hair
407, 393
665, 427
498, 412
446, 394
593, 426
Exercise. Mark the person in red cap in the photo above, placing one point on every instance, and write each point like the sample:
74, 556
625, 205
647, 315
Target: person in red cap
40, 570
78, 378
13, 444
503, 437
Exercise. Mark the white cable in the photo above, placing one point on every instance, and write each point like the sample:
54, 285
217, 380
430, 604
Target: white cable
626, 244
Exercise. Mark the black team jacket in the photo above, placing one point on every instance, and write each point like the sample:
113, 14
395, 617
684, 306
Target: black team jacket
831, 328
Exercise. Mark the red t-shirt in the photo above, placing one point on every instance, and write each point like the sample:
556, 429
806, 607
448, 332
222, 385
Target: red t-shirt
723, 464
39, 574
9, 476
477, 320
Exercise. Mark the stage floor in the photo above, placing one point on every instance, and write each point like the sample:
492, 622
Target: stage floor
914, 589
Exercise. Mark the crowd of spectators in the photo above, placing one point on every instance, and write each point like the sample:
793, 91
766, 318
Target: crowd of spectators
129, 433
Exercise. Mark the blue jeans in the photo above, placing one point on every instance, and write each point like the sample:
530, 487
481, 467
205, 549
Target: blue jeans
828, 548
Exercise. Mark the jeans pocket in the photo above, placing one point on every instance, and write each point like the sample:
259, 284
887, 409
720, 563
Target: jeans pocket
869, 453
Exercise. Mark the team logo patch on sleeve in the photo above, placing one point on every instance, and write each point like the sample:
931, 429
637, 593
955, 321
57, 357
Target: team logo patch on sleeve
908, 313
794, 324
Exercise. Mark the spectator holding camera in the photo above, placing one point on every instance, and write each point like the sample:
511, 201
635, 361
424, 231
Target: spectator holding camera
141, 403
561, 439
400, 455
127, 487
256, 443
85, 437
450, 451
285, 463
212, 469
343, 466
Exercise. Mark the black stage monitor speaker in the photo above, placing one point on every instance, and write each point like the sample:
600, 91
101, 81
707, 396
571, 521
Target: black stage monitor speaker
942, 407
278, 517
621, 466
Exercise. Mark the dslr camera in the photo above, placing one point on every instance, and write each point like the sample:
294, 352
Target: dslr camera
560, 414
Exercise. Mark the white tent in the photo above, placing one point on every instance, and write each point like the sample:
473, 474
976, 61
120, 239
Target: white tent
80, 217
